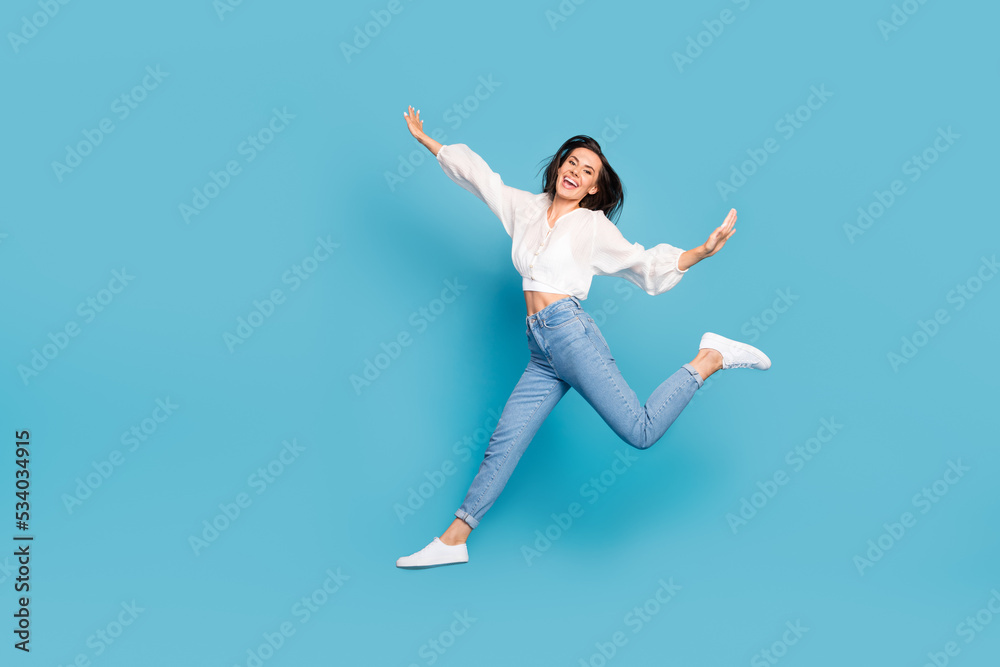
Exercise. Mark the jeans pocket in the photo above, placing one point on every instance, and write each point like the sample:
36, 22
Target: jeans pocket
561, 318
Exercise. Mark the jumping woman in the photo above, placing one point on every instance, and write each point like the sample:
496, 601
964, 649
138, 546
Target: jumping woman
563, 237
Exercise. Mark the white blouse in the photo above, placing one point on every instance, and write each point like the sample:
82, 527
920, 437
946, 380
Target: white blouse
581, 244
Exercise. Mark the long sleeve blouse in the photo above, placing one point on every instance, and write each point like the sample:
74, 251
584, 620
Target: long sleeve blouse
581, 244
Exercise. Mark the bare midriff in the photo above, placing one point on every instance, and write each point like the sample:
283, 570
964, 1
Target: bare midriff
538, 300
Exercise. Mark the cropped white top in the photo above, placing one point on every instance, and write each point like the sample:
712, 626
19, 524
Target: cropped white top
581, 244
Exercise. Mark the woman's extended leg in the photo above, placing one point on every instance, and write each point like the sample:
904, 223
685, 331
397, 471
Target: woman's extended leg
582, 358
534, 396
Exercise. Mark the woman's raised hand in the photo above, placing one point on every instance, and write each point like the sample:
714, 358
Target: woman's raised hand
721, 234
416, 127
413, 122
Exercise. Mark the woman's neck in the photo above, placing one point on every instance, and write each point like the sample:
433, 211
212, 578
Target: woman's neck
560, 206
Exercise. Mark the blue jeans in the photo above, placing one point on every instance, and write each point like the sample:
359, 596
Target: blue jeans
568, 350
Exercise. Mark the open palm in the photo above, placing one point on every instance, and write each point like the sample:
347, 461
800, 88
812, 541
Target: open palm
413, 122
721, 234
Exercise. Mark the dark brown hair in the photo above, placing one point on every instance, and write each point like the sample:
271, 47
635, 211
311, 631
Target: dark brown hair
610, 194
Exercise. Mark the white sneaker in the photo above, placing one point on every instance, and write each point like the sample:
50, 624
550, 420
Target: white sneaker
435, 553
734, 353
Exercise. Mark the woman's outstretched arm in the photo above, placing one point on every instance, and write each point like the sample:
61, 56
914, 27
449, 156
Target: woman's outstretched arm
713, 245
466, 168
655, 269
416, 127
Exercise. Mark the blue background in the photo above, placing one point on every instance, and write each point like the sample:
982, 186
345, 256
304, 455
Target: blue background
328, 174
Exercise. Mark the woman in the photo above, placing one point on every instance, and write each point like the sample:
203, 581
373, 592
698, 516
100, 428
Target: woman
561, 239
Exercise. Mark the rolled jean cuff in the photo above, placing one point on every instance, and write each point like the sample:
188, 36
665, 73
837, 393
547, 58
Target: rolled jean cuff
467, 518
690, 369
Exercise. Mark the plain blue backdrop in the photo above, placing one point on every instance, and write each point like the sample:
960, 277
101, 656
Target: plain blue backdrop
251, 229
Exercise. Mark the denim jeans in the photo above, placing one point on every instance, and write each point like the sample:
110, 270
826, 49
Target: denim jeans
568, 350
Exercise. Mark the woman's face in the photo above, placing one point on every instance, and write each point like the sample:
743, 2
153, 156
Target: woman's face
577, 177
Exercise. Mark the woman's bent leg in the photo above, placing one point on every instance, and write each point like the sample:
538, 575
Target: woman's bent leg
586, 363
533, 398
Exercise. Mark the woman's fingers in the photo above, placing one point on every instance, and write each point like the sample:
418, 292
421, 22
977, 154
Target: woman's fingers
723, 231
413, 121
730, 219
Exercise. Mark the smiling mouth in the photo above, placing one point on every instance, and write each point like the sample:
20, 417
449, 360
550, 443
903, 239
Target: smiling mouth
568, 184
